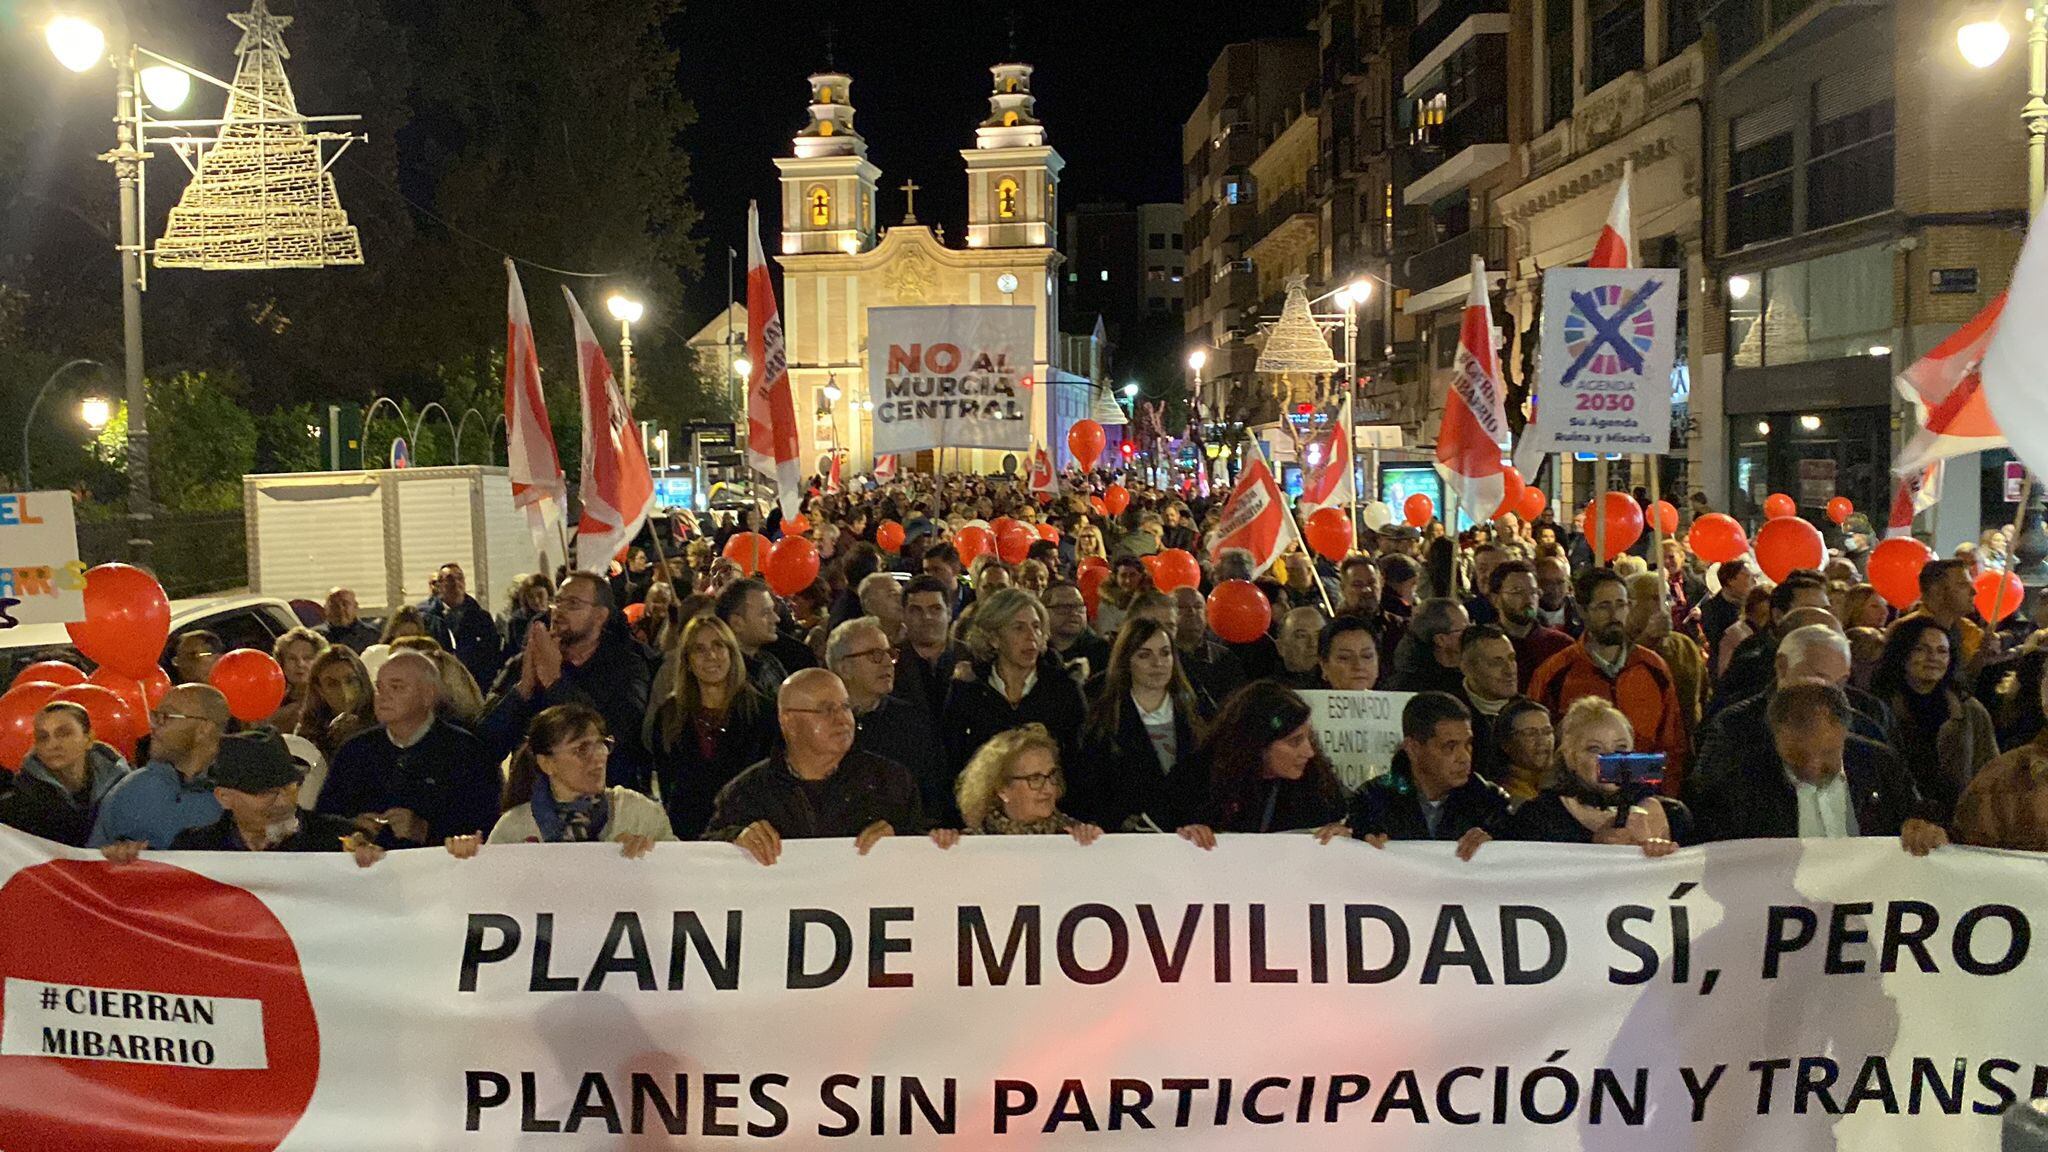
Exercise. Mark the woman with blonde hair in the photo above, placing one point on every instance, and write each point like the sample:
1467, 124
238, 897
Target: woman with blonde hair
1088, 542
1012, 787
405, 620
1577, 807
295, 652
710, 726
338, 700
1011, 679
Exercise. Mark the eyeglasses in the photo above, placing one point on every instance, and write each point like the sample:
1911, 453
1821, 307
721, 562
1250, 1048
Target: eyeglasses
165, 716
840, 709
1037, 781
878, 655
588, 749
573, 604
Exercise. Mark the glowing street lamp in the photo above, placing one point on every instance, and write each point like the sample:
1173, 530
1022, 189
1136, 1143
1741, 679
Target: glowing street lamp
1982, 43
165, 87
95, 411
77, 44
627, 311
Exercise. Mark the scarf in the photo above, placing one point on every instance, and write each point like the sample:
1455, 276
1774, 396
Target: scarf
578, 821
1000, 823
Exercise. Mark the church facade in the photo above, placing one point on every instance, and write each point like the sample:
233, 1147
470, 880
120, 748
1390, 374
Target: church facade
838, 262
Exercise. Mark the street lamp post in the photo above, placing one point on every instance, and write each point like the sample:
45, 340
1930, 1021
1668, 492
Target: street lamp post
94, 412
1352, 297
627, 311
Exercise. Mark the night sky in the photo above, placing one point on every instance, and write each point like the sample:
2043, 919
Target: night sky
1115, 80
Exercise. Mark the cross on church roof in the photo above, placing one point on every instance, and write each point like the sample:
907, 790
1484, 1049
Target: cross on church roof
910, 190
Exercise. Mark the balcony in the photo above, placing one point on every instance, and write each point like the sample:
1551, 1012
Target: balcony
1452, 260
1282, 210
1444, 19
1468, 144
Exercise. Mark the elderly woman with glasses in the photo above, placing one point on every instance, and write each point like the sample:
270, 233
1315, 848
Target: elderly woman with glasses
556, 792
1012, 787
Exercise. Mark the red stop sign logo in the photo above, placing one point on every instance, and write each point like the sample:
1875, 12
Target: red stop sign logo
136, 990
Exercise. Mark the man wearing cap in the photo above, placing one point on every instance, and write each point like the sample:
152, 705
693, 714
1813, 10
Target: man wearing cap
257, 786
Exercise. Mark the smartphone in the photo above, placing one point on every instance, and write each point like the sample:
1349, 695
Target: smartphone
1625, 768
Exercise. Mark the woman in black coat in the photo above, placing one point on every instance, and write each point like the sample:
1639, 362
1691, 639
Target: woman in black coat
1011, 680
1576, 808
1139, 729
1258, 770
710, 727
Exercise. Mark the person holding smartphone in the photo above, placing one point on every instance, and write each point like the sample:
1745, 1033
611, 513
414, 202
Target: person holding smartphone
1598, 792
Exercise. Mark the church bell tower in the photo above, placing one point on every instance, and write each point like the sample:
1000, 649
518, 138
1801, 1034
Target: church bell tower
1012, 173
828, 183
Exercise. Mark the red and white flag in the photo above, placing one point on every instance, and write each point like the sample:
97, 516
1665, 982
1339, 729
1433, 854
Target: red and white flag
772, 447
1475, 424
833, 484
618, 489
1045, 482
885, 468
1256, 519
1917, 492
535, 469
1947, 389
1326, 467
1616, 247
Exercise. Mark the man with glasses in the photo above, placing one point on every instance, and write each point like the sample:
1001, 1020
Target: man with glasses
1604, 663
415, 778
193, 658
581, 655
171, 793
1071, 637
859, 653
817, 785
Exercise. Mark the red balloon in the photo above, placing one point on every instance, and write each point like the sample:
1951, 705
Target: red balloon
1716, 538
114, 720
792, 565
749, 550
128, 688
155, 687
1624, 523
1095, 562
889, 537
252, 682
1511, 489
797, 525
1895, 566
127, 619
50, 672
1151, 564
1664, 516
1533, 503
1176, 569
1998, 594
1048, 533
1787, 543
18, 719
1239, 612
1777, 506
1000, 525
1329, 533
1014, 542
1418, 510
635, 613
1841, 508
972, 541
1101, 509
1116, 498
1085, 440
1090, 582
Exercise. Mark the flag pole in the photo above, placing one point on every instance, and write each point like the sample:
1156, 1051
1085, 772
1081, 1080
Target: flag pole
1300, 537
2011, 534
1656, 526
1599, 507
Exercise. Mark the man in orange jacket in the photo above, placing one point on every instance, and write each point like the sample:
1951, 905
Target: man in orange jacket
1603, 663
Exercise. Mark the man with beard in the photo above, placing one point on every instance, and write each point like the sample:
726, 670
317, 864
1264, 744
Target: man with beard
580, 656
1071, 638
1603, 663
1512, 591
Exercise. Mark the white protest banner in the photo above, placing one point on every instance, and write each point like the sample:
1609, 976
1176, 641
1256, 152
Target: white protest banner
41, 578
1023, 991
1604, 363
951, 376
1358, 731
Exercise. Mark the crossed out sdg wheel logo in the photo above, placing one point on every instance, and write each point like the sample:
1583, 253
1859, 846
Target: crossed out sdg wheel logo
148, 1009
1609, 330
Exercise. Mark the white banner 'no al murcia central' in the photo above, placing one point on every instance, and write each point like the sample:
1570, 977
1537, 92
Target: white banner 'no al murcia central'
952, 376
1023, 991
1603, 380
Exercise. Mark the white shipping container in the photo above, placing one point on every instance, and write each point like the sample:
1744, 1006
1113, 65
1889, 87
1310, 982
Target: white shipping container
384, 531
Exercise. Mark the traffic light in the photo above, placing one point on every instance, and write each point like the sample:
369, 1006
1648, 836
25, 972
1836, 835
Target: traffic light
1128, 449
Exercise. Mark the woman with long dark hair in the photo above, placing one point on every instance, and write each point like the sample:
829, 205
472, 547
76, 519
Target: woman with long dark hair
556, 792
1259, 769
1138, 731
1942, 734
710, 726
339, 697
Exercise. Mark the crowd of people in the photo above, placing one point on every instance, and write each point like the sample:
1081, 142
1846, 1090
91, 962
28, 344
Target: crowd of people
1654, 702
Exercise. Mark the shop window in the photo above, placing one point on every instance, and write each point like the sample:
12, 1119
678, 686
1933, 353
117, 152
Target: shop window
1829, 307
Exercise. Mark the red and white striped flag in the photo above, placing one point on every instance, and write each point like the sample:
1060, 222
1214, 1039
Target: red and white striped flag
1616, 247
1045, 483
1946, 387
1475, 423
1326, 469
1256, 519
832, 480
618, 489
772, 446
885, 467
1917, 492
535, 469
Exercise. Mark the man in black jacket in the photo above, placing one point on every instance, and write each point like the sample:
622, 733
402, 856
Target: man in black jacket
1815, 780
415, 778
344, 625
816, 786
859, 653
258, 788
462, 625
582, 655
925, 659
1809, 652
1488, 663
1431, 792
